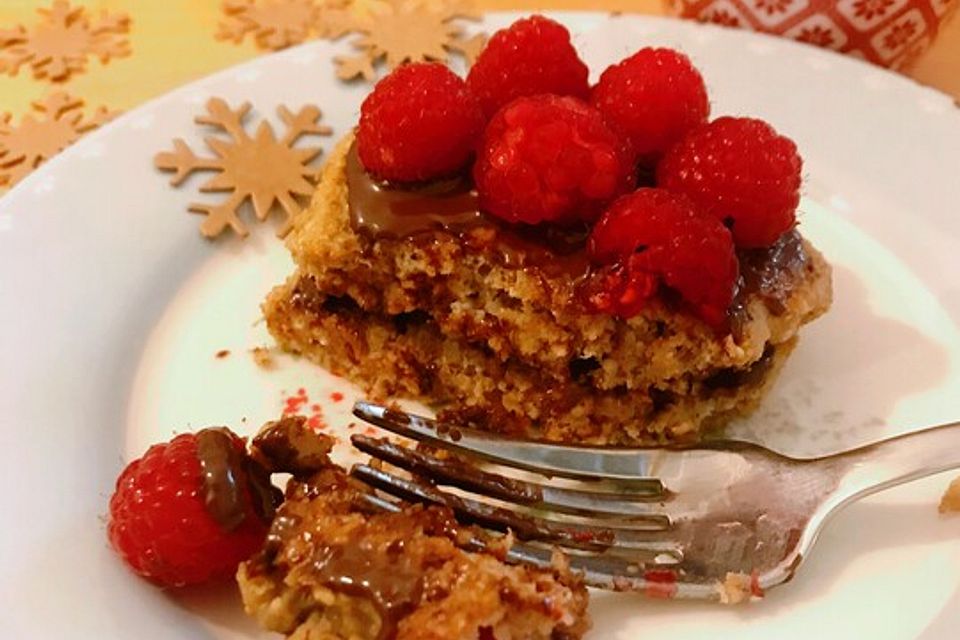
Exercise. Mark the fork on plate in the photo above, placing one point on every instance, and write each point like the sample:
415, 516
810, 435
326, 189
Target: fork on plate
720, 521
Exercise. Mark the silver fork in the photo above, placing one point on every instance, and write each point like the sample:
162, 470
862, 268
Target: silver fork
720, 521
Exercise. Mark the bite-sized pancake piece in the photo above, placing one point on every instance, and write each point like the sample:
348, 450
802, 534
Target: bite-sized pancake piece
331, 569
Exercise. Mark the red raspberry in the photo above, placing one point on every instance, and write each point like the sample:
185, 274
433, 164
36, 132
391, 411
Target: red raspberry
654, 97
652, 236
419, 122
741, 171
550, 158
159, 523
530, 57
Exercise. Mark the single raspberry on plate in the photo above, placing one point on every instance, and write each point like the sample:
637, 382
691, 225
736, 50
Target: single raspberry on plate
652, 236
420, 122
654, 97
190, 510
530, 57
550, 159
741, 171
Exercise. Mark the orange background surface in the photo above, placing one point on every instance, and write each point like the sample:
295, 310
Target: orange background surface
173, 43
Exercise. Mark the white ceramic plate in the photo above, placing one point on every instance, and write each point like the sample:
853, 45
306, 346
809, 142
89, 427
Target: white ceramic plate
113, 309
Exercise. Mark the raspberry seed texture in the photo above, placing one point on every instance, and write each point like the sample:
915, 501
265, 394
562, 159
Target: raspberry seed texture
654, 97
532, 56
741, 171
550, 159
420, 122
651, 237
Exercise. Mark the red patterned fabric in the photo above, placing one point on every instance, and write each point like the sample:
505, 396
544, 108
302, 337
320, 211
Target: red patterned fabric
891, 33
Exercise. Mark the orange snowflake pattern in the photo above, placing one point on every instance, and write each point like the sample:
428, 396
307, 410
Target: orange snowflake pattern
260, 168
399, 31
60, 122
59, 44
277, 24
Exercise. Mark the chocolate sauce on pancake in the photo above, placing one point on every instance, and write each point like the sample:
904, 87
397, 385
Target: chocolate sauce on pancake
384, 572
393, 585
381, 210
770, 273
773, 272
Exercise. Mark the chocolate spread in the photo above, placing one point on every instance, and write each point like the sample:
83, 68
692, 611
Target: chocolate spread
289, 445
769, 273
382, 576
384, 571
225, 471
773, 272
381, 210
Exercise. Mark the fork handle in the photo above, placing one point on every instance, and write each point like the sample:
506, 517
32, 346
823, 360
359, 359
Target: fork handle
900, 459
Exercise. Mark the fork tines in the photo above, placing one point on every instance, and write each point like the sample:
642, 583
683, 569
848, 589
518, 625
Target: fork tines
621, 465
612, 523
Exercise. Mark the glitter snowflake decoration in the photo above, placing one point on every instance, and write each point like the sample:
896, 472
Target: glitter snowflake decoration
269, 172
277, 24
59, 44
57, 123
401, 31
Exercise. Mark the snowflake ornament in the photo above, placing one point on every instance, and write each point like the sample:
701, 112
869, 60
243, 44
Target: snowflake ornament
261, 168
277, 24
59, 45
399, 31
25, 146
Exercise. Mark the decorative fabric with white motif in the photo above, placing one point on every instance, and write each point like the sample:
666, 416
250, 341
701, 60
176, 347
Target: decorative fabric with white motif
891, 33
